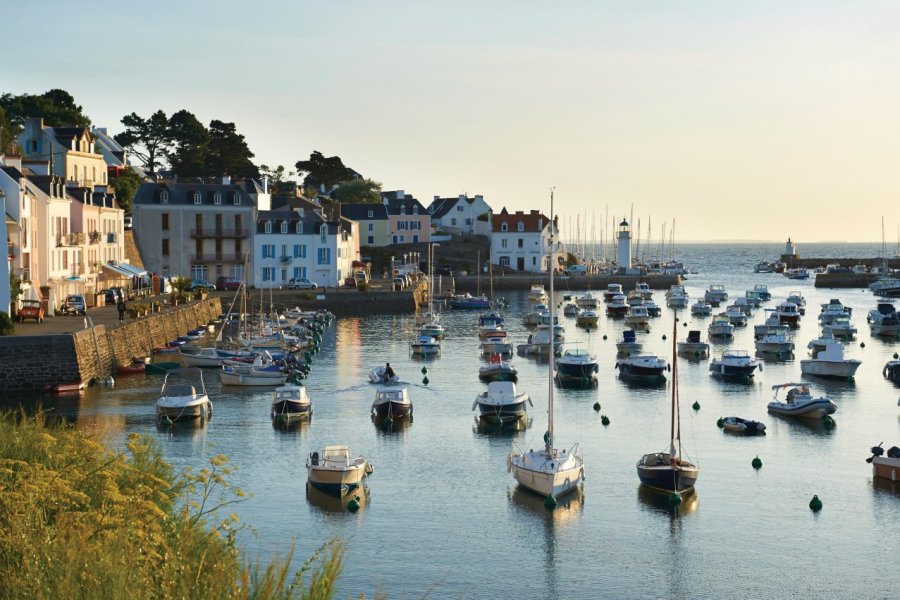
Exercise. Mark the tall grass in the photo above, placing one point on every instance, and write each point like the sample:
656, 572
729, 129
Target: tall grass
80, 521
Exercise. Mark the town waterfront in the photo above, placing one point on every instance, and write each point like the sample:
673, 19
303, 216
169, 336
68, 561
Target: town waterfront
442, 517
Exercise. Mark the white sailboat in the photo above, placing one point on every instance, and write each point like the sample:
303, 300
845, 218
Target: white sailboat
548, 471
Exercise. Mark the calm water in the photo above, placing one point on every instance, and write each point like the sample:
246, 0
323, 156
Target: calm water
443, 517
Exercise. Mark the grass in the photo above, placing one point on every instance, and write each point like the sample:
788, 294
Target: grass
80, 521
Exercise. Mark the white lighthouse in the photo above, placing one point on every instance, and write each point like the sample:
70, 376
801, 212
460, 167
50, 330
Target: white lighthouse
623, 250
790, 248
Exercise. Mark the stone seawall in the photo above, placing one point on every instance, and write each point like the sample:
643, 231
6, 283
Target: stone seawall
575, 282
845, 280
33, 362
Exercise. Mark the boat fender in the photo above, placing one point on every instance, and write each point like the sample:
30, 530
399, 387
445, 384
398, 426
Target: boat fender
617, 366
581, 473
760, 367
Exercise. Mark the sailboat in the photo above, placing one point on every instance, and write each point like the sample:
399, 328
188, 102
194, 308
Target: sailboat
668, 470
548, 471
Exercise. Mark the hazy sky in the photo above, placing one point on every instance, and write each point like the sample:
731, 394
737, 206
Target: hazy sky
740, 120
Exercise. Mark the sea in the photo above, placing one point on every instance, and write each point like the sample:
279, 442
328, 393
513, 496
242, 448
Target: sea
441, 517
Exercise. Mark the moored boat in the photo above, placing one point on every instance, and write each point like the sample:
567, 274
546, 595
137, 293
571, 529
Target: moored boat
576, 366
629, 343
720, 327
745, 426
642, 366
290, 402
498, 369
334, 472
392, 401
734, 364
693, 346
425, 345
183, 396
830, 363
799, 402
501, 403
886, 467
587, 318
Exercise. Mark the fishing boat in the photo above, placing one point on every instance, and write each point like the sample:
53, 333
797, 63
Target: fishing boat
669, 470
716, 294
788, 314
733, 364
576, 366
701, 308
772, 325
334, 472
841, 327
652, 308
736, 316
638, 317
433, 328
489, 321
501, 403
745, 426
392, 401
833, 309
469, 302
642, 366
497, 369
799, 402
635, 298
617, 306
612, 290
539, 343
425, 345
693, 346
887, 467
291, 402
820, 343
830, 363
753, 298
720, 327
763, 291
571, 310
629, 343
538, 314
537, 295
183, 396
587, 318
644, 289
548, 471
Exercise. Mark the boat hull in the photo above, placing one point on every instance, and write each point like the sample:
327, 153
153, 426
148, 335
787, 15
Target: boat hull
887, 468
187, 412
637, 371
693, 348
336, 482
289, 409
678, 478
396, 410
818, 409
732, 371
545, 475
829, 369
498, 373
241, 379
576, 371
501, 413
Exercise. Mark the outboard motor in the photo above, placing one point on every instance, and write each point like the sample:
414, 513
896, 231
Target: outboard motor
877, 451
893, 452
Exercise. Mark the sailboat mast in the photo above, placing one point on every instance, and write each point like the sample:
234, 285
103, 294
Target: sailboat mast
552, 304
676, 416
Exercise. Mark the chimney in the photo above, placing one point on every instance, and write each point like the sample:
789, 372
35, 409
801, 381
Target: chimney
436, 198
400, 194
265, 184
226, 179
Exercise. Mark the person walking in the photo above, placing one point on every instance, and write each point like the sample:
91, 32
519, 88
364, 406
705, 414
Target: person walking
121, 307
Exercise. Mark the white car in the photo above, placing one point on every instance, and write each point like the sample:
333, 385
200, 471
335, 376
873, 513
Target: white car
302, 284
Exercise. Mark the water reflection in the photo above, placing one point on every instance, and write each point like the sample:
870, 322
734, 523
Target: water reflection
775, 358
297, 426
568, 507
883, 485
488, 428
333, 504
386, 426
639, 382
659, 501
817, 427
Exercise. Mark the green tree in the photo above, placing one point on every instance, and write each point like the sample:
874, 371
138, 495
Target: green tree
322, 170
190, 141
280, 178
358, 191
126, 186
57, 108
228, 153
148, 139
7, 134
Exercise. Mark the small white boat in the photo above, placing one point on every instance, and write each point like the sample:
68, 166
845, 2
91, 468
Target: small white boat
799, 402
291, 402
693, 346
775, 343
743, 305
335, 472
886, 467
183, 396
652, 308
208, 357
821, 342
772, 325
677, 297
841, 327
539, 313
376, 375
763, 291
576, 366
539, 343
831, 363
628, 344
587, 318
753, 298
716, 294
788, 314
433, 329
745, 426
635, 298
701, 308
537, 294
644, 288
258, 373
832, 310
647, 366
496, 344
638, 317
720, 327
425, 345
797, 298
501, 403
617, 306
571, 310
392, 401
587, 300
734, 364
612, 290
498, 369
884, 320
736, 316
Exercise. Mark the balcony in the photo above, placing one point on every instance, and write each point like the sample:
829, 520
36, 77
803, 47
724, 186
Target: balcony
70, 239
218, 257
94, 237
11, 250
77, 269
219, 233
286, 260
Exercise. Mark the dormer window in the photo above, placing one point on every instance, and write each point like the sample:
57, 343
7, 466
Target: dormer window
284, 226
197, 198
521, 226
299, 226
268, 228
459, 208
504, 226
237, 199
164, 197
371, 213
217, 198
415, 210
403, 210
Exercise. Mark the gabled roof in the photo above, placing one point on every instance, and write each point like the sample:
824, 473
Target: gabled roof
13, 172
534, 221
312, 221
394, 200
360, 212
441, 206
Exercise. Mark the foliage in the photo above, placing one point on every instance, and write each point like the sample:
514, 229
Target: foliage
189, 144
126, 186
148, 139
358, 191
483, 216
228, 153
15, 286
571, 259
81, 521
180, 287
321, 170
7, 133
279, 178
57, 108
362, 286
6, 324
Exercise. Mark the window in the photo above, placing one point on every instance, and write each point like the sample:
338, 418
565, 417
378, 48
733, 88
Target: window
284, 274
197, 198
299, 272
371, 214
402, 225
217, 198
284, 250
268, 274
468, 221
403, 210
165, 221
237, 198
324, 256
268, 250
503, 243
415, 225
198, 223
504, 261
370, 240
296, 250
238, 222
520, 226
521, 243
415, 239
164, 197
339, 252
323, 233
238, 249
284, 225
402, 239
415, 209
268, 228
504, 226
459, 208
299, 227
534, 261
371, 226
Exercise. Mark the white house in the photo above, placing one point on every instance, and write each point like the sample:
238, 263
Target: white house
460, 215
520, 240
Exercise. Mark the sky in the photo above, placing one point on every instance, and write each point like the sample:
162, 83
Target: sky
737, 120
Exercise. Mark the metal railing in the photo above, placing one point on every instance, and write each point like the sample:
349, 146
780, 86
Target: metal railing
219, 232
94, 237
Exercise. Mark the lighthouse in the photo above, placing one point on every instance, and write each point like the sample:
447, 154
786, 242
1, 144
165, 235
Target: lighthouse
623, 249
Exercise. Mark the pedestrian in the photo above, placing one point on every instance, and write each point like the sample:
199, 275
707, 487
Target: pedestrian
121, 307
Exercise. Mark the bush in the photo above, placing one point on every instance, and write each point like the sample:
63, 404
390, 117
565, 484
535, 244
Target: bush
6, 324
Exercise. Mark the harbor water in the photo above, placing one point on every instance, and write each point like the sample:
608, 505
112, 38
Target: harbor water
442, 517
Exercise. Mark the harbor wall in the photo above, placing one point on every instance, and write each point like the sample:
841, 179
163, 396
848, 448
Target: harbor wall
470, 283
33, 362
845, 280
341, 303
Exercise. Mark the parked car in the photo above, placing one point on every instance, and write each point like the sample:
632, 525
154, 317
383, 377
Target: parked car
112, 295
128, 223
227, 283
350, 282
302, 284
74, 305
31, 309
201, 284
361, 277
576, 270
398, 284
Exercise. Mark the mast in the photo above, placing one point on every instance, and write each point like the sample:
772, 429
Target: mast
676, 416
552, 303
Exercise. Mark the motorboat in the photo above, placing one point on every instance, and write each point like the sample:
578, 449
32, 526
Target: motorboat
490, 319
644, 288
587, 300
799, 402
788, 314
677, 297
764, 266
733, 364
716, 294
334, 472
652, 308
797, 298
701, 308
693, 346
617, 306
576, 365
891, 371
772, 325
886, 287
884, 320
183, 396
571, 310
817, 345
290, 402
797, 273
539, 343
775, 343
210, 357
425, 345
736, 316
831, 363
743, 305
628, 344
886, 467
832, 310
258, 373
537, 294
745, 426
841, 327
642, 366
637, 317
587, 318
612, 290
720, 327
670, 470
501, 403
469, 302
496, 344
376, 375
753, 298
392, 401
634, 298
433, 328
539, 313
497, 369
763, 291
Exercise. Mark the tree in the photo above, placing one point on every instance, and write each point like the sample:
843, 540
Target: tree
57, 108
228, 153
279, 176
147, 138
189, 143
358, 191
321, 170
7, 135
126, 186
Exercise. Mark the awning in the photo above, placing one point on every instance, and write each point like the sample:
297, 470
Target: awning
125, 269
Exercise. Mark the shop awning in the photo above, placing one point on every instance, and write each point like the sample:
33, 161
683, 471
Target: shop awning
124, 269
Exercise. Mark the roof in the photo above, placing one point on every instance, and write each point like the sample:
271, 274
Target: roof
360, 212
182, 192
12, 172
124, 269
311, 220
534, 221
396, 199
441, 206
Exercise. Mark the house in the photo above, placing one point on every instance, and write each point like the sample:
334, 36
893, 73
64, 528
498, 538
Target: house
19, 231
198, 228
303, 242
461, 215
408, 221
520, 240
65, 152
374, 224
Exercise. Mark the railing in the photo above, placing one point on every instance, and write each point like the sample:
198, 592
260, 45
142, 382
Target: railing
286, 260
77, 269
220, 257
219, 232
70, 239
94, 237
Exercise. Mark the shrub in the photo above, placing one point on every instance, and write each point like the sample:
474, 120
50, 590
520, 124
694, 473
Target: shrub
6, 324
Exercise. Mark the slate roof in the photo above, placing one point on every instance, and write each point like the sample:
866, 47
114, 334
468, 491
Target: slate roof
360, 212
393, 203
182, 192
312, 221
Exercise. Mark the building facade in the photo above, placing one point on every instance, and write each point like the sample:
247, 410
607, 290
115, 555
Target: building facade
521, 241
64, 152
374, 224
461, 215
408, 221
